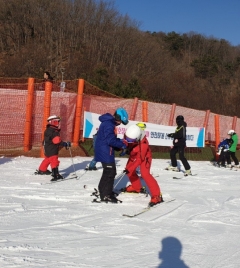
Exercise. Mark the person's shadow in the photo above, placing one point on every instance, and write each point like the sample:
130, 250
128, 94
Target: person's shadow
4, 160
170, 254
78, 167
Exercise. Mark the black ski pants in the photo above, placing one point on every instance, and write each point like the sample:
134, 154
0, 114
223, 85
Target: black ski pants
222, 158
234, 158
106, 183
180, 151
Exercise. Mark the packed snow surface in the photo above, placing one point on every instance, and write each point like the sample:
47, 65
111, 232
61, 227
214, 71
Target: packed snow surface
53, 225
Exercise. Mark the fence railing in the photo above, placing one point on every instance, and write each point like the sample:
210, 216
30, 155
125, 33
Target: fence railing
24, 109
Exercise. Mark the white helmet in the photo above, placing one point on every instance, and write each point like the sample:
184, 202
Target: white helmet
231, 132
53, 117
133, 133
54, 120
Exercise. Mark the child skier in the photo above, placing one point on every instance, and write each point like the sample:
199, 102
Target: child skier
223, 148
51, 144
140, 155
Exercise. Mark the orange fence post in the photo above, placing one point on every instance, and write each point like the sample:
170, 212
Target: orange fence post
134, 109
145, 111
78, 115
217, 133
170, 123
47, 107
205, 124
234, 123
84, 110
29, 109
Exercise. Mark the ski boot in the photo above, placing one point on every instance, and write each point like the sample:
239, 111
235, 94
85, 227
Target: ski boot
130, 189
188, 172
172, 168
109, 199
155, 200
56, 175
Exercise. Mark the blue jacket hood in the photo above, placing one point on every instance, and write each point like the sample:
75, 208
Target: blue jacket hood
107, 117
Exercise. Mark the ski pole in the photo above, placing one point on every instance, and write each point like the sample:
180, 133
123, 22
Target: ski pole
120, 178
72, 161
85, 171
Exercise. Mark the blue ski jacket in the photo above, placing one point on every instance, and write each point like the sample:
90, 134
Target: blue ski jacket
106, 140
225, 144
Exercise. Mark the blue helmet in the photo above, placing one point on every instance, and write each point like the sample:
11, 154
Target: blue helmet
121, 115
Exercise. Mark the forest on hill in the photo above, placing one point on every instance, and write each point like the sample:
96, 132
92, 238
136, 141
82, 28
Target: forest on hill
90, 39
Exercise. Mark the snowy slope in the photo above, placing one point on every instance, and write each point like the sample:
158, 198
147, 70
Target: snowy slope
57, 225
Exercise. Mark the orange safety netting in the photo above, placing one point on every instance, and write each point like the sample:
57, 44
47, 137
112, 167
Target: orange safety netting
13, 116
13, 101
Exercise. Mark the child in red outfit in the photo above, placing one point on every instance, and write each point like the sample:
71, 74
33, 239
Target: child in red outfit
51, 143
140, 155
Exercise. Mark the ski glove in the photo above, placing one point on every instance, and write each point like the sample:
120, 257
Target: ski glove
66, 144
125, 144
124, 151
170, 135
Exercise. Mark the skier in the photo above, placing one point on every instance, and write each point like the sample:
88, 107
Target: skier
223, 148
179, 144
232, 149
106, 143
92, 165
51, 144
140, 156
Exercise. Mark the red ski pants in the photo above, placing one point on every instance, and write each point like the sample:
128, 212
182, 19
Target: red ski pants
52, 161
147, 177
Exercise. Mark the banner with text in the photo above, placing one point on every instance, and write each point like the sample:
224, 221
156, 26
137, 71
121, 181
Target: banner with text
156, 134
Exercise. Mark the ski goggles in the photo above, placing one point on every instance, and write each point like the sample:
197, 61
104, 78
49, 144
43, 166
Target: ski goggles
129, 140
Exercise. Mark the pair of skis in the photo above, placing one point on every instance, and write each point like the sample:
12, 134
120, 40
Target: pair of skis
69, 177
226, 168
61, 180
97, 198
178, 178
144, 210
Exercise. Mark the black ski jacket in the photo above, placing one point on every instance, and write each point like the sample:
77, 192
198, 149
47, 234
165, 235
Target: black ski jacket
179, 137
52, 141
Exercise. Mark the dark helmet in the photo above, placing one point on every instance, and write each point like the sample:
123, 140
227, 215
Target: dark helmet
179, 118
121, 115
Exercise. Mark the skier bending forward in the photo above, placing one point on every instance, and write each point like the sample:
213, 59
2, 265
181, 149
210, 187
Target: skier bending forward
140, 155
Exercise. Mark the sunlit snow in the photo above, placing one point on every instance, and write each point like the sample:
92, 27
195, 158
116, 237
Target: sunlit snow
57, 225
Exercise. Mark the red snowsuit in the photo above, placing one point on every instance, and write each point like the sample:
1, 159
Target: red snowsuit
141, 156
